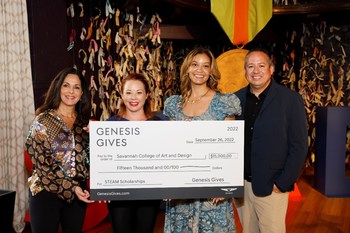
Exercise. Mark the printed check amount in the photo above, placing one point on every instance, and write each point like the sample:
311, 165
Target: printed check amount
136, 160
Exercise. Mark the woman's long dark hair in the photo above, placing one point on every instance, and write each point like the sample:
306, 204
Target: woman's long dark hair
53, 95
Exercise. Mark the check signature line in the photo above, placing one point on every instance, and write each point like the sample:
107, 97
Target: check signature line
207, 183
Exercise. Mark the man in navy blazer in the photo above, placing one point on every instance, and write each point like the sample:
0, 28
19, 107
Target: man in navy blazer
275, 145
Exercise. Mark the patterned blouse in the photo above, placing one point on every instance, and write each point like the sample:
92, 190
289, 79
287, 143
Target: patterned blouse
200, 215
59, 155
221, 106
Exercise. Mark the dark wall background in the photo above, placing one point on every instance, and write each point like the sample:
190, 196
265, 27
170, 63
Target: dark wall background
48, 43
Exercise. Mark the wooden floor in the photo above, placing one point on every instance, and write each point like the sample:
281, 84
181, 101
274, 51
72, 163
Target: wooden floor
313, 212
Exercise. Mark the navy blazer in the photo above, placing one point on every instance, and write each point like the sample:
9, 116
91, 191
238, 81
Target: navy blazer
279, 142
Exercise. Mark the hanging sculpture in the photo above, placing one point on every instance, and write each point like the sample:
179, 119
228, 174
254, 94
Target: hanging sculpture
115, 43
320, 73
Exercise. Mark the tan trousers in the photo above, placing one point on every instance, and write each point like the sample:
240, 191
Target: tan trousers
262, 214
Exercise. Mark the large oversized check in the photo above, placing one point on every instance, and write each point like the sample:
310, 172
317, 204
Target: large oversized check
135, 160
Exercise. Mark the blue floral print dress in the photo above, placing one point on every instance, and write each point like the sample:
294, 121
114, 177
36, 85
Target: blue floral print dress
201, 215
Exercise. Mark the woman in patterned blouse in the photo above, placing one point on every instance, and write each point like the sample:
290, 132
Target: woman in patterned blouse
200, 99
57, 145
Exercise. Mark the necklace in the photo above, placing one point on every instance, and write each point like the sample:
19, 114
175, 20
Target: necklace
199, 99
66, 116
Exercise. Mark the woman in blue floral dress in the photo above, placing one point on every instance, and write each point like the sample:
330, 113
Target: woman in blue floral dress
200, 99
